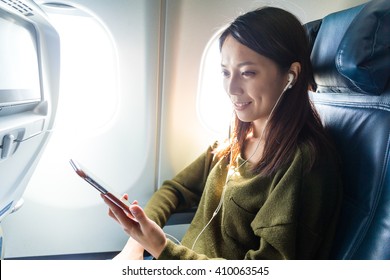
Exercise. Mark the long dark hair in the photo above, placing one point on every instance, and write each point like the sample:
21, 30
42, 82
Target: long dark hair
279, 36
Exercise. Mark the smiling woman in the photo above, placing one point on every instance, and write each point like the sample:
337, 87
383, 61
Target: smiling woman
252, 203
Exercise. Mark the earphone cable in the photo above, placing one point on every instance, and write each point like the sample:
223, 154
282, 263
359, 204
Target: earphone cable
231, 171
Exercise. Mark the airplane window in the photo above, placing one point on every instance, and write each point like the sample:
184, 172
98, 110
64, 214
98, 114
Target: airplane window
213, 105
87, 105
88, 91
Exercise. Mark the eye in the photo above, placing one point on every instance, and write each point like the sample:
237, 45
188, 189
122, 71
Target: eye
248, 73
225, 73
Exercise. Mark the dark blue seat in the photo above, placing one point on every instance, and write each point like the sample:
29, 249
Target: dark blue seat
351, 62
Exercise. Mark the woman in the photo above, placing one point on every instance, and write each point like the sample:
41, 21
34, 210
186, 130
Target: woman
273, 191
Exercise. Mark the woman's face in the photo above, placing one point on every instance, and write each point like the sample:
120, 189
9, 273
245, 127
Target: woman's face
252, 81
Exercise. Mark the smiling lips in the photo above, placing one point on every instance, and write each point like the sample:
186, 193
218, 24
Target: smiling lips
239, 106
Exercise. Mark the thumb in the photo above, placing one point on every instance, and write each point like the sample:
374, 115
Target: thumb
138, 213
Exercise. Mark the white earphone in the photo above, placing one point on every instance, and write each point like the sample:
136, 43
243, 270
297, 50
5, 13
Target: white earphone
291, 77
289, 85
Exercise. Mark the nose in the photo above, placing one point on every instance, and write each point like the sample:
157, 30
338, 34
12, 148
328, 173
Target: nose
233, 85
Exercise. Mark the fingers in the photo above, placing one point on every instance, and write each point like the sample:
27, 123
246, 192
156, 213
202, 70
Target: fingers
114, 211
139, 226
126, 197
110, 205
127, 221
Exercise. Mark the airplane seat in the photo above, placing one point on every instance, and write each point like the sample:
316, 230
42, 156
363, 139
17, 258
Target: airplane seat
351, 63
29, 89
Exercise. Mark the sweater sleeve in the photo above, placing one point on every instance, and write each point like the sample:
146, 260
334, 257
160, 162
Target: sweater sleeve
183, 191
173, 251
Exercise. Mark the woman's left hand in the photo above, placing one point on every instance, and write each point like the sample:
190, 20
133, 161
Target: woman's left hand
139, 226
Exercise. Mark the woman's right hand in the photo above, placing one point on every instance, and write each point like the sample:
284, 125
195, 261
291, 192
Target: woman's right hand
138, 226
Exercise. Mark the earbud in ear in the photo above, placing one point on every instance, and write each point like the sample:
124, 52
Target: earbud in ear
289, 82
290, 79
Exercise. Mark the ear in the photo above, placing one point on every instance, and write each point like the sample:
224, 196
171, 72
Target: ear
295, 70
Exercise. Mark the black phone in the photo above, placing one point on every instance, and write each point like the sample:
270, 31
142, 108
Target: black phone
93, 181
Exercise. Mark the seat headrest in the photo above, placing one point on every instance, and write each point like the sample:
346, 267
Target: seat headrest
351, 49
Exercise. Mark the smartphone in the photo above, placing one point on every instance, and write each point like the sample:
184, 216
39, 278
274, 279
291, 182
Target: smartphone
86, 175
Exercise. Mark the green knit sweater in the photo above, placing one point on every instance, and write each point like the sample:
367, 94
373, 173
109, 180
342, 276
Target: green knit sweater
289, 216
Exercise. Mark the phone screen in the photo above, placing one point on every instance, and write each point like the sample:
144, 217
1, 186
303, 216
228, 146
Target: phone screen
97, 184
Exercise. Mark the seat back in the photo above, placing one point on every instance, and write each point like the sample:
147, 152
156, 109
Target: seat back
29, 89
351, 63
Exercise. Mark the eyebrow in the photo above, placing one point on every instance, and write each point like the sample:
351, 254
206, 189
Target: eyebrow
244, 63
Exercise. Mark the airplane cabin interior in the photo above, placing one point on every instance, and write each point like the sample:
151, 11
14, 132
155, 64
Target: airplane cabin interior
132, 91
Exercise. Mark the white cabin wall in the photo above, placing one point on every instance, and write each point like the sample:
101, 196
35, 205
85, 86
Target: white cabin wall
62, 214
